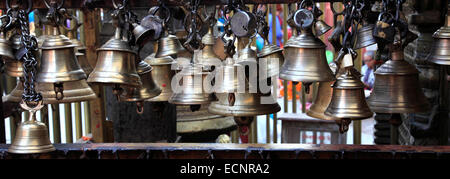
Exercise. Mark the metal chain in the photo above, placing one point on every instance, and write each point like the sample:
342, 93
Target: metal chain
29, 44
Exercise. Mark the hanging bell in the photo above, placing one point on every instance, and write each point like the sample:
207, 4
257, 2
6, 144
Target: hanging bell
6, 52
149, 88
233, 102
169, 45
142, 34
115, 64
58, 60
321, 27
397, 88
31, 136
305, 60
192, 91
14, 68
82, 60
364, 37
274, 56
162, 74
72, 91
219, 48
440, 51
348, 99
192, 125
208, 57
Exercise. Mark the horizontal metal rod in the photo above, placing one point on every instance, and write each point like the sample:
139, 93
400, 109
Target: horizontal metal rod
234, 151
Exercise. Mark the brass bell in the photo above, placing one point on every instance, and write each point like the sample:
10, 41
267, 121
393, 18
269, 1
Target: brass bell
305, 60
348, 99
247, 54
192, 90
321, 27
58, 60
440, 52
6, 52
271, 53
14, 68
15, 96
115, 64
208, 57
233, 102
82, 60
364, 37
169, 45
397, 88
72, 91
142, 34
190, 123
219, 48
149, 88
31, 136
162, 74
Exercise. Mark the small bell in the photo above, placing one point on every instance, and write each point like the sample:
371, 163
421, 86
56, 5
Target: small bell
169, 45
6, 52
193, 92
142, 34
115, 64
58, 60
364, 37
31, 136
397, 88
321, 27
305, 60
148, 90
162, 74
208, 57
271, 53
440, 51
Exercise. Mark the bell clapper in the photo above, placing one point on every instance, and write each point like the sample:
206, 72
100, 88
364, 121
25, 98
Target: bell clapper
117, 90
306, 86
231, 99
140, 107
59, 90
343, 125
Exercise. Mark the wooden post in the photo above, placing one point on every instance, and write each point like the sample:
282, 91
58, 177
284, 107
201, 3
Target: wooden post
91, 22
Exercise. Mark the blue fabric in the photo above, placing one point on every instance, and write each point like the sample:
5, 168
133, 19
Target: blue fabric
278, 29
368, 76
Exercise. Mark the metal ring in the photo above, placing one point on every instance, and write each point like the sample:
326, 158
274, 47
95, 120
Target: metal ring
29, 5
57, 7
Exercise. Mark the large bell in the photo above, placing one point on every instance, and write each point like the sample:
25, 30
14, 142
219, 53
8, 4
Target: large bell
31, 136
192, 90
232, 102
6, 52
305, 60
321, 27
274, 56
193, 126
162, 74
149, 88
115, 64
169, 45
15, 96
364, 36
440, 50
348, 99
397, 88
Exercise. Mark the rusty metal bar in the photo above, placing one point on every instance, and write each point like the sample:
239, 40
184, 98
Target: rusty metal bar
235, 151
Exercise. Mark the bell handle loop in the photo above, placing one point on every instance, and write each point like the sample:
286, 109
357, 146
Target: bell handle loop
32, 109
5, 25
140, 107
231, 99
301, 5
29, 5
58, 5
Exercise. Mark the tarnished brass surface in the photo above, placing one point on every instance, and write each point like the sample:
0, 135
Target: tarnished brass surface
115, 64
193, 91
364, 36
245, 104
31, 136
208, 56
440, 51
82, 60
321, 27
58, 60
246, 54
5, 49
272, 52
14, 68
162, 74
397, 88
305, 60
323, 99
73, 91
149, 89
348, 99
15, 95
169, 45
201, 120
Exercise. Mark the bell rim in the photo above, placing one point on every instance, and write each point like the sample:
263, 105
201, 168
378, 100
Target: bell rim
320, 115
217, 123
153, 93
164, 96
352, 116
20, 149
217, 108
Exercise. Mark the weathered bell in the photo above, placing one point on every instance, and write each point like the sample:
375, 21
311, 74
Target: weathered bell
31, 136
162, 74
233, 101
274, 56
247, 54
208, 56
6, 52
305, 60
142, 34
192, 124
321, 27
82, 60
58, 60
440, 50
397, 88
115, 64
169, 45
364, 36
149, 88
191, 87
73, 91
348, 99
